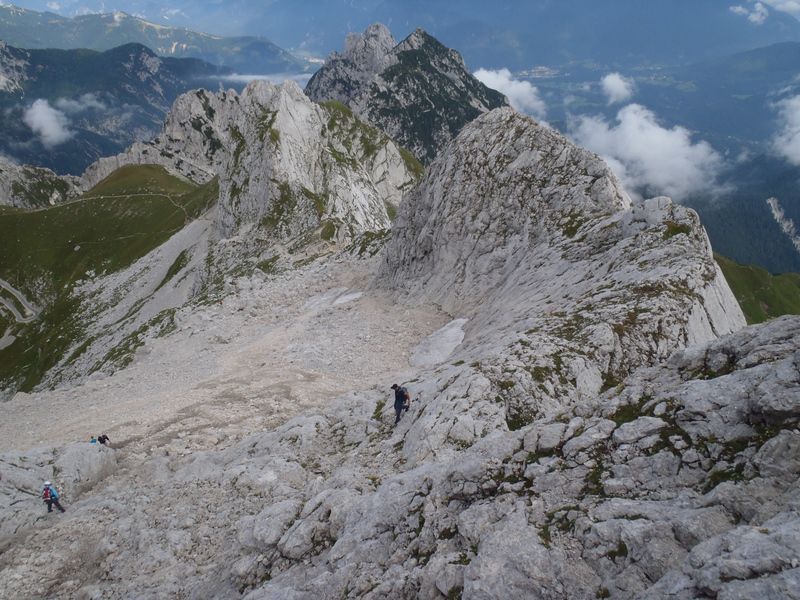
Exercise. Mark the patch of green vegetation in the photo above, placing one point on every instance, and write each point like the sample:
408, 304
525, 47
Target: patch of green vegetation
761, 295
391, 210
544, 535
674, 229
378, 410
239, 145
264, 126
730, 474
268, 266
282, 207
455, 593
506, 384
177, 265
369, 242
43, 254
518, 418
629, 412
620, 550
603, 593
412, 164
572, 223
328, 231
319, 201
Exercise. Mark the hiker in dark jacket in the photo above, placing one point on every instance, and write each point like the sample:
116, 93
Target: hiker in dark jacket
50, 497
402, 400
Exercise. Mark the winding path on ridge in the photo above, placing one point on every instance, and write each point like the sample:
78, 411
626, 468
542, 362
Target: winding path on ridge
4, 285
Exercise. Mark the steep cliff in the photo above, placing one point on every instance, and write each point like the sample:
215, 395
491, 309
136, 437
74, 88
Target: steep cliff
284, 162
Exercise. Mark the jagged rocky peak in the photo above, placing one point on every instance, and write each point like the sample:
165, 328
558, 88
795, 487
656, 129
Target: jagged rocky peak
391, 85
285, 163
534, 240
370, 49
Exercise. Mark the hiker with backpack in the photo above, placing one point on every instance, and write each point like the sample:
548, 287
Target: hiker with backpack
50, 497
402, 400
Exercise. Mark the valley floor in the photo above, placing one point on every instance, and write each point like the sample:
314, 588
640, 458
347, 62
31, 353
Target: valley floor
268, 352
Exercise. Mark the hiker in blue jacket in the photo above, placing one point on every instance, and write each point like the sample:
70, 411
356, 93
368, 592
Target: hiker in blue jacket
50, 497
402, 400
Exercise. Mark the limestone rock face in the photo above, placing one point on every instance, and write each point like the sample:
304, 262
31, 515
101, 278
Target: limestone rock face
680, 484
13, 68
419, 92
33, 187
532, 237
283, 162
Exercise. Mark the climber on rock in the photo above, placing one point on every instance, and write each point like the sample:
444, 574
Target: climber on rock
402, 400
50, 497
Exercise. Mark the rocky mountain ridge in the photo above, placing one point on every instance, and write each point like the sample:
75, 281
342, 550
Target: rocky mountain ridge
105, 30
272, 145
418, 92
33, 187
578, 430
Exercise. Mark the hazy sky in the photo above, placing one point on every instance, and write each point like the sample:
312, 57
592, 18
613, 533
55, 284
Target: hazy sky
285, 19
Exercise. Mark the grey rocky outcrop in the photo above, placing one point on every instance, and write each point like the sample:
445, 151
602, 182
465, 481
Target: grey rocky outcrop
282, 161
418, 91
34, 187
534, 240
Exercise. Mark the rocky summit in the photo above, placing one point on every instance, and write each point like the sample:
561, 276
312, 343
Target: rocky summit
418, 91
590, 417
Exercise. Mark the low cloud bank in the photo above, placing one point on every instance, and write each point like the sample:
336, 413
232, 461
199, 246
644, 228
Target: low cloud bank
786, 143
300, 78
648, 157
49, 124
81, 104
522, 95
617, 88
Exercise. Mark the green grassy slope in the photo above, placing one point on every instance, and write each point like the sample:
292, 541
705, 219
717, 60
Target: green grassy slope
762, 295
44, 252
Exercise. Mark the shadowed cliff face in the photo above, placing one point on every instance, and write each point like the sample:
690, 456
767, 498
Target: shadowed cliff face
419, 92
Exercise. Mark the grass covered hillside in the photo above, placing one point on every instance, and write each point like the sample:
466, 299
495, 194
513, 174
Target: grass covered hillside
762, 295
44, 253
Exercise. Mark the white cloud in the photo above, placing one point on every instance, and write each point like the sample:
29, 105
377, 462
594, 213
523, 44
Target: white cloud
276, 78
51, 125
649, 157
522, 95
617, 88
53, 6
788, 6
785, 223
786, 142
77, 105
759, 13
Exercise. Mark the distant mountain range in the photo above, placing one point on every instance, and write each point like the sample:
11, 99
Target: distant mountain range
63, 109
248, 54
514, 33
